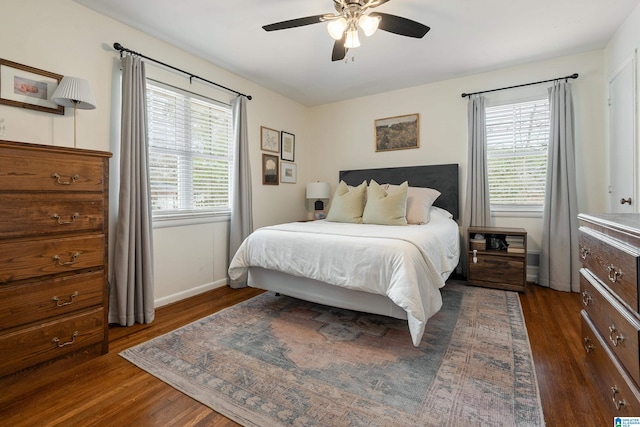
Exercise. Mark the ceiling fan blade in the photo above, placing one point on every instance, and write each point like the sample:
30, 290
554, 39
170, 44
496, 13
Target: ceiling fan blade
402, 26
292, 23
377, 3
339, 51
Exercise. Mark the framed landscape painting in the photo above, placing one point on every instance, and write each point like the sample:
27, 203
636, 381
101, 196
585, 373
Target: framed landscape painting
397, 133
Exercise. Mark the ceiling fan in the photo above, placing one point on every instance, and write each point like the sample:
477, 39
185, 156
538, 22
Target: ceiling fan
343, 25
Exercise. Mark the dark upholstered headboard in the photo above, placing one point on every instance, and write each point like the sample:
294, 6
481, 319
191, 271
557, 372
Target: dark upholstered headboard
443, 178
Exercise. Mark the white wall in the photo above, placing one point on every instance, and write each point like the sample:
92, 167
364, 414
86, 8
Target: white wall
63, 37
343, 132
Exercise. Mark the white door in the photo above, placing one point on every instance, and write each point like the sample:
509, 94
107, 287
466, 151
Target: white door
622, 140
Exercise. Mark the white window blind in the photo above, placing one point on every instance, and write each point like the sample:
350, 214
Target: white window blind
190, 153
517, 139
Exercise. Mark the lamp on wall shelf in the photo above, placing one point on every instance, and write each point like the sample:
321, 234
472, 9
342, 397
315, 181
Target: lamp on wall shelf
74, 92
318, 191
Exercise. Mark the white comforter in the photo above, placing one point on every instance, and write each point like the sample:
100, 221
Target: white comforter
408, 264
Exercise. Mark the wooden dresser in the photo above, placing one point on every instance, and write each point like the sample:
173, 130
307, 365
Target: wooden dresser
609, 246
54, 206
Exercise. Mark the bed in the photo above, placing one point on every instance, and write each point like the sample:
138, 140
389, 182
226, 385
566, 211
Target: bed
330, 262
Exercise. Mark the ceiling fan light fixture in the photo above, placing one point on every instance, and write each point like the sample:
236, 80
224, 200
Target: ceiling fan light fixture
369, 24
352, 39
336, 28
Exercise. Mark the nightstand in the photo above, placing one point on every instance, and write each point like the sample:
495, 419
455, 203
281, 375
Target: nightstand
500, 260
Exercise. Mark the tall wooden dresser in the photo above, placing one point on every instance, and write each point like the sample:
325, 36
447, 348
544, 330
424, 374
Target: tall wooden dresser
54, 206
609, 246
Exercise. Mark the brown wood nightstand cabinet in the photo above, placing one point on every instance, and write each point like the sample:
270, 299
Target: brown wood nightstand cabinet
54, 204
501, 261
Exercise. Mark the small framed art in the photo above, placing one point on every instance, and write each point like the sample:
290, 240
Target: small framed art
269, 139
288, 172
287, 146
27, 87
397, 133
270, 170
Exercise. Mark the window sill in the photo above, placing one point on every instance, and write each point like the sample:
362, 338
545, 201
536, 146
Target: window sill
516, 213
183, 220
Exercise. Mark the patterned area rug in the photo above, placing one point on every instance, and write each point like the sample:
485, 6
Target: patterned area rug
278, 361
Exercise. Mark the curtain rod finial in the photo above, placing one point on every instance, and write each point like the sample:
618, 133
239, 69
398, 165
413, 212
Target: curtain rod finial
118, 46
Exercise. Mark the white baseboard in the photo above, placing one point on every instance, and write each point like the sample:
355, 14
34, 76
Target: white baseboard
190, 293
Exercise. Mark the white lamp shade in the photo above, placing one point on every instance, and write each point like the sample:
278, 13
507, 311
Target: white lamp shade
337, 27
74, 92
369, 24
318, 190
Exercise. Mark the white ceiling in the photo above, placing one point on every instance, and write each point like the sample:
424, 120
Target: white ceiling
466, 37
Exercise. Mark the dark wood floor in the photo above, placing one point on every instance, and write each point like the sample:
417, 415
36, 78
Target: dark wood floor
109, 391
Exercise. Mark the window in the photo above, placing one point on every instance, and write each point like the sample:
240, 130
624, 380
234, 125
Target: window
517, 139
190, 153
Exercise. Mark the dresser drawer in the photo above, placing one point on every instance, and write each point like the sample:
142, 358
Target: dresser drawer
50, 340
613, 262
34, 302
50, 171
35, 258
618, 327
37, 214
619, 393
498, 269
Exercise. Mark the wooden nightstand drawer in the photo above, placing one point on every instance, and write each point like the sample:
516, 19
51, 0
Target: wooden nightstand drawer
498, 269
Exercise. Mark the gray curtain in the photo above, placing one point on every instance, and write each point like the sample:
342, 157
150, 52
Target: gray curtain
477, 207
241, 210
131, 297
559, 262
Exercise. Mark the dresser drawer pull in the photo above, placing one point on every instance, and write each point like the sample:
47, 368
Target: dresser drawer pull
586, 298
588, 346
74, 178
75, 216
619, 403
68, 302
74, 258
584, 252
614, 336
56, 340
613, 273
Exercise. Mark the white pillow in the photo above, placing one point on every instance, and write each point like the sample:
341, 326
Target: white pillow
419, 201
386, 207
347, 204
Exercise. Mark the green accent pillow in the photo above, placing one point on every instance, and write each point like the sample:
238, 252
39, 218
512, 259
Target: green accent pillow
347, 204
386, 208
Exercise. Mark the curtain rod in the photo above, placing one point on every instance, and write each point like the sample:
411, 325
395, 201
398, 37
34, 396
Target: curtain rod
572, 76
192, 76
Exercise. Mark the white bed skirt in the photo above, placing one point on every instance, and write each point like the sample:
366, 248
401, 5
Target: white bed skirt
323, 293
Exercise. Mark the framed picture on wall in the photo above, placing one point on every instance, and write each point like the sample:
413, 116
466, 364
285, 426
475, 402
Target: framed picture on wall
27, 87
288, 172
397, 133
287, 146
270, 170
269, 139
